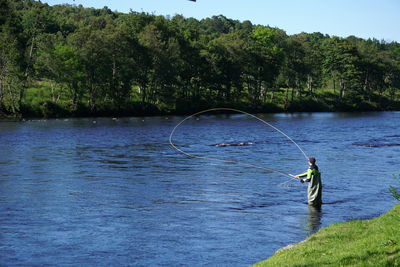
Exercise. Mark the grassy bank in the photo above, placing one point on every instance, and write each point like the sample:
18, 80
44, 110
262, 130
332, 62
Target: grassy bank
45, 100
373, 242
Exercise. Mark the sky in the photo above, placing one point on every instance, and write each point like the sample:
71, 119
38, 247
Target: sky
377, 19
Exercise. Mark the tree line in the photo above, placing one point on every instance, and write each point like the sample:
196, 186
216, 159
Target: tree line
68, 60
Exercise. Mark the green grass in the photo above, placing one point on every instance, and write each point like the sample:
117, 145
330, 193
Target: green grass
373, 242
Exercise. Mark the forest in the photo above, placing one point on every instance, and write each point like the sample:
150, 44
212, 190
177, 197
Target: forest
68, 60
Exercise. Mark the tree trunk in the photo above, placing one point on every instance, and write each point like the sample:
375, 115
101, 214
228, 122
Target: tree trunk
286, 97
92, 98
1, 93
74, 90
292, 98
342, 88
334, 86
29, 58
265, 94
27, 70
13, 100
309, 84
2, 77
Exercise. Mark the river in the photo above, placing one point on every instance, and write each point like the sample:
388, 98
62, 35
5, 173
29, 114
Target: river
103, 192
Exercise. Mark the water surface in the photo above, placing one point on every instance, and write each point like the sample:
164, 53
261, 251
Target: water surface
113, 192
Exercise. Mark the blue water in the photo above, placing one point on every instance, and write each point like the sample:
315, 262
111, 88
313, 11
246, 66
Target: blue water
101, 192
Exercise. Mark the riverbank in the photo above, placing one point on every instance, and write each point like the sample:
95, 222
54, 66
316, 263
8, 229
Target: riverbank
374, 242
322, 101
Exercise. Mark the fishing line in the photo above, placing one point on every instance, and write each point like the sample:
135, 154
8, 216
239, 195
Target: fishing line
235, 161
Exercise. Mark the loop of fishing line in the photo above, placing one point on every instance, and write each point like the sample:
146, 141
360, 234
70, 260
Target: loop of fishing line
234, 161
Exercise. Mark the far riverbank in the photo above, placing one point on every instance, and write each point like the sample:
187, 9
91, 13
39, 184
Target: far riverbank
319, 103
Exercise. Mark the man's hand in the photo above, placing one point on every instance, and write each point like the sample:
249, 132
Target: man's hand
301, 180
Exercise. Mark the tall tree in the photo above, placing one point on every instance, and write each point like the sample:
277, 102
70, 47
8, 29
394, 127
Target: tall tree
342, 63
36, 20
164, 49
226, 56
61, 62
11, 58
121, 54
269, 50
294, 70
313, 58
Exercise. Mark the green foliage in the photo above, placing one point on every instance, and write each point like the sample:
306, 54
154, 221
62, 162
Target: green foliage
393, 190
96, 61
373, 242
11, 59
394, 193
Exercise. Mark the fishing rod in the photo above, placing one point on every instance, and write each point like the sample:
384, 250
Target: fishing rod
234, 161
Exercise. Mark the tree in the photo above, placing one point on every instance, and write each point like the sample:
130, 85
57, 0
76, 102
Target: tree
11, 58
193, 67
342, 63
393, 74
104, 61
121, 59
36, 20
61, 62
164, 50
226, 55
89, 43
268, 49
313, 58
294, 71
133, 24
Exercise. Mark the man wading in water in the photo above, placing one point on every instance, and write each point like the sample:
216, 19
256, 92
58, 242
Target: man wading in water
313, 177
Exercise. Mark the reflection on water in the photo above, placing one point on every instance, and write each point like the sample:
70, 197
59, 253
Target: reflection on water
115, 193
314, 218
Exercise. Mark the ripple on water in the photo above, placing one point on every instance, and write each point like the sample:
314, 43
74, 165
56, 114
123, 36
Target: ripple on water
115, 193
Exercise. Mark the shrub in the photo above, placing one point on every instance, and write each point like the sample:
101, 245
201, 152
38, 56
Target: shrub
393, 190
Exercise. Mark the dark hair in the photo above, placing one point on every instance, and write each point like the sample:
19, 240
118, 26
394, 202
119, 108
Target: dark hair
313, 165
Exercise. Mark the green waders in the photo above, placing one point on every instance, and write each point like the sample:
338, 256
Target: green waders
314, 191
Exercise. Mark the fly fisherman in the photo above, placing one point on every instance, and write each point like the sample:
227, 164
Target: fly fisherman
313, 177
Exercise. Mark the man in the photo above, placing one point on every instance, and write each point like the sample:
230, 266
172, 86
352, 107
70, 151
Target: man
313, 177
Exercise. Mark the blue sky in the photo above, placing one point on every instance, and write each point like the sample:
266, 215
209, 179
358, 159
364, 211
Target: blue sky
362, 18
